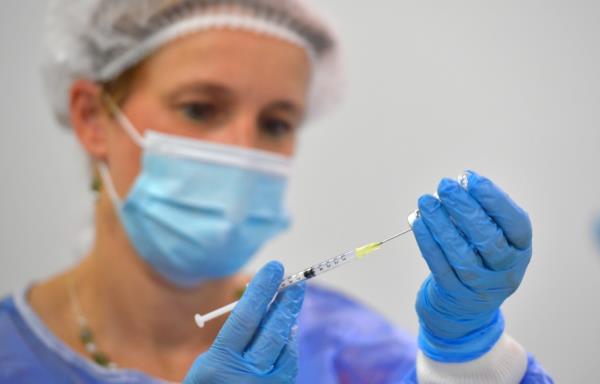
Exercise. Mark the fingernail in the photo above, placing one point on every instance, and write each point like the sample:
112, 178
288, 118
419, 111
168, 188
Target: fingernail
428, 203
448, 186
274, 269
413, 217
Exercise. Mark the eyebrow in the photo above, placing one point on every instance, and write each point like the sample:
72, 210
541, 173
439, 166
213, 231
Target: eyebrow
214, 89
222, 91
286, 106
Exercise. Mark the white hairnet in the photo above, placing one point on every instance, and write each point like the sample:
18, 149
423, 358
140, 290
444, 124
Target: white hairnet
100, 39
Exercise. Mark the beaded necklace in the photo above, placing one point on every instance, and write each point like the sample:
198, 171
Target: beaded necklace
86, 335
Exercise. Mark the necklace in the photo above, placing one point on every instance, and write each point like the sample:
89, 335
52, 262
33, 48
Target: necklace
86, 336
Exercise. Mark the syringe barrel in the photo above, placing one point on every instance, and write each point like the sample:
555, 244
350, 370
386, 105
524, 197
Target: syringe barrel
318, 269
308, 273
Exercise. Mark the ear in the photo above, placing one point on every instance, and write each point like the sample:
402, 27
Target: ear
89, 118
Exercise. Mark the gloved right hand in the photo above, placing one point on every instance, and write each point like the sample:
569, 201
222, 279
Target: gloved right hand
477, 242
256, 344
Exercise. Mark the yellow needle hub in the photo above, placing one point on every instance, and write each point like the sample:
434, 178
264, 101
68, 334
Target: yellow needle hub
366, 249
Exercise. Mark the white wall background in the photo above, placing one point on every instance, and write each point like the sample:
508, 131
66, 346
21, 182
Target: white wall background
509, 88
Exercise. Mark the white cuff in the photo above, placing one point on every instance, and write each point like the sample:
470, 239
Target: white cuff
505, 363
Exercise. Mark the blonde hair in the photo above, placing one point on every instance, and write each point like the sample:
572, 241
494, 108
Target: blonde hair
117, 90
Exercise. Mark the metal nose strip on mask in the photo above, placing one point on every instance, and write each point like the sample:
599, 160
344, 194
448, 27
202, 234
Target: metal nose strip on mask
217, 153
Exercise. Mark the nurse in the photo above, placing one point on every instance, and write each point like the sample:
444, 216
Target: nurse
189, 112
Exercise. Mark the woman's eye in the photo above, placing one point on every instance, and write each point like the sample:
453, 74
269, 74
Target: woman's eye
200, 112
275, 128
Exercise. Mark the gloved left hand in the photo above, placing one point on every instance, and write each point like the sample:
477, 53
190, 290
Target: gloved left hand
477, 244
257, 344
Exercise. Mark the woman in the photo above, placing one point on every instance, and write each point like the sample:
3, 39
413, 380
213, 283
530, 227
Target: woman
189, 111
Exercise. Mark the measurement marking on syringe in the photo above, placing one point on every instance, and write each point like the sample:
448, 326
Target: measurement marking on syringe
308, 273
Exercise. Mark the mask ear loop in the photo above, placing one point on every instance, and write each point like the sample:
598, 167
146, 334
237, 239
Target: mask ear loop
110, 186
124, 121
130, 130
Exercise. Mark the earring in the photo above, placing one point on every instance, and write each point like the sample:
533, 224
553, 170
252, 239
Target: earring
96, 184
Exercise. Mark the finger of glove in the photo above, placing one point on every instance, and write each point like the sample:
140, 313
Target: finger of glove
483, 233
434, 256
461, 257
511, 218
286, 366
274, 332
241, 326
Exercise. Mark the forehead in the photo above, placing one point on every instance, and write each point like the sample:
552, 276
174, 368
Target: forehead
239, 59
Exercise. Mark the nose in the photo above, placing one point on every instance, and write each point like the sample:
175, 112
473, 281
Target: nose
241, 131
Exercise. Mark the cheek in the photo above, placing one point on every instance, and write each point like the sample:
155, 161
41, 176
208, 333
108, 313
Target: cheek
124, 160
290, 147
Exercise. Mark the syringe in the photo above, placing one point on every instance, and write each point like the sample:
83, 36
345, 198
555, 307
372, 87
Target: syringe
308, 273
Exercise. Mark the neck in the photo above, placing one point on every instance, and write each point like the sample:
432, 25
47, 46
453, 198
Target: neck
127, 304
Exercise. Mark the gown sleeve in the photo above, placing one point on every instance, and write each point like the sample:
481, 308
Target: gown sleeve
342, 341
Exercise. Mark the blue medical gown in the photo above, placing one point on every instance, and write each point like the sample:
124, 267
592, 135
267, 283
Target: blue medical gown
340, 341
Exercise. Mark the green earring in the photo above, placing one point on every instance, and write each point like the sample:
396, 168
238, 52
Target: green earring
96, 184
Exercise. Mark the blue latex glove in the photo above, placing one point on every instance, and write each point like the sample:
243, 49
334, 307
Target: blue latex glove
477, 244
256, 344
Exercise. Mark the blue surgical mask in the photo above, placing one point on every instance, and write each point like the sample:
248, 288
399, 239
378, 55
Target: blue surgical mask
200, 210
